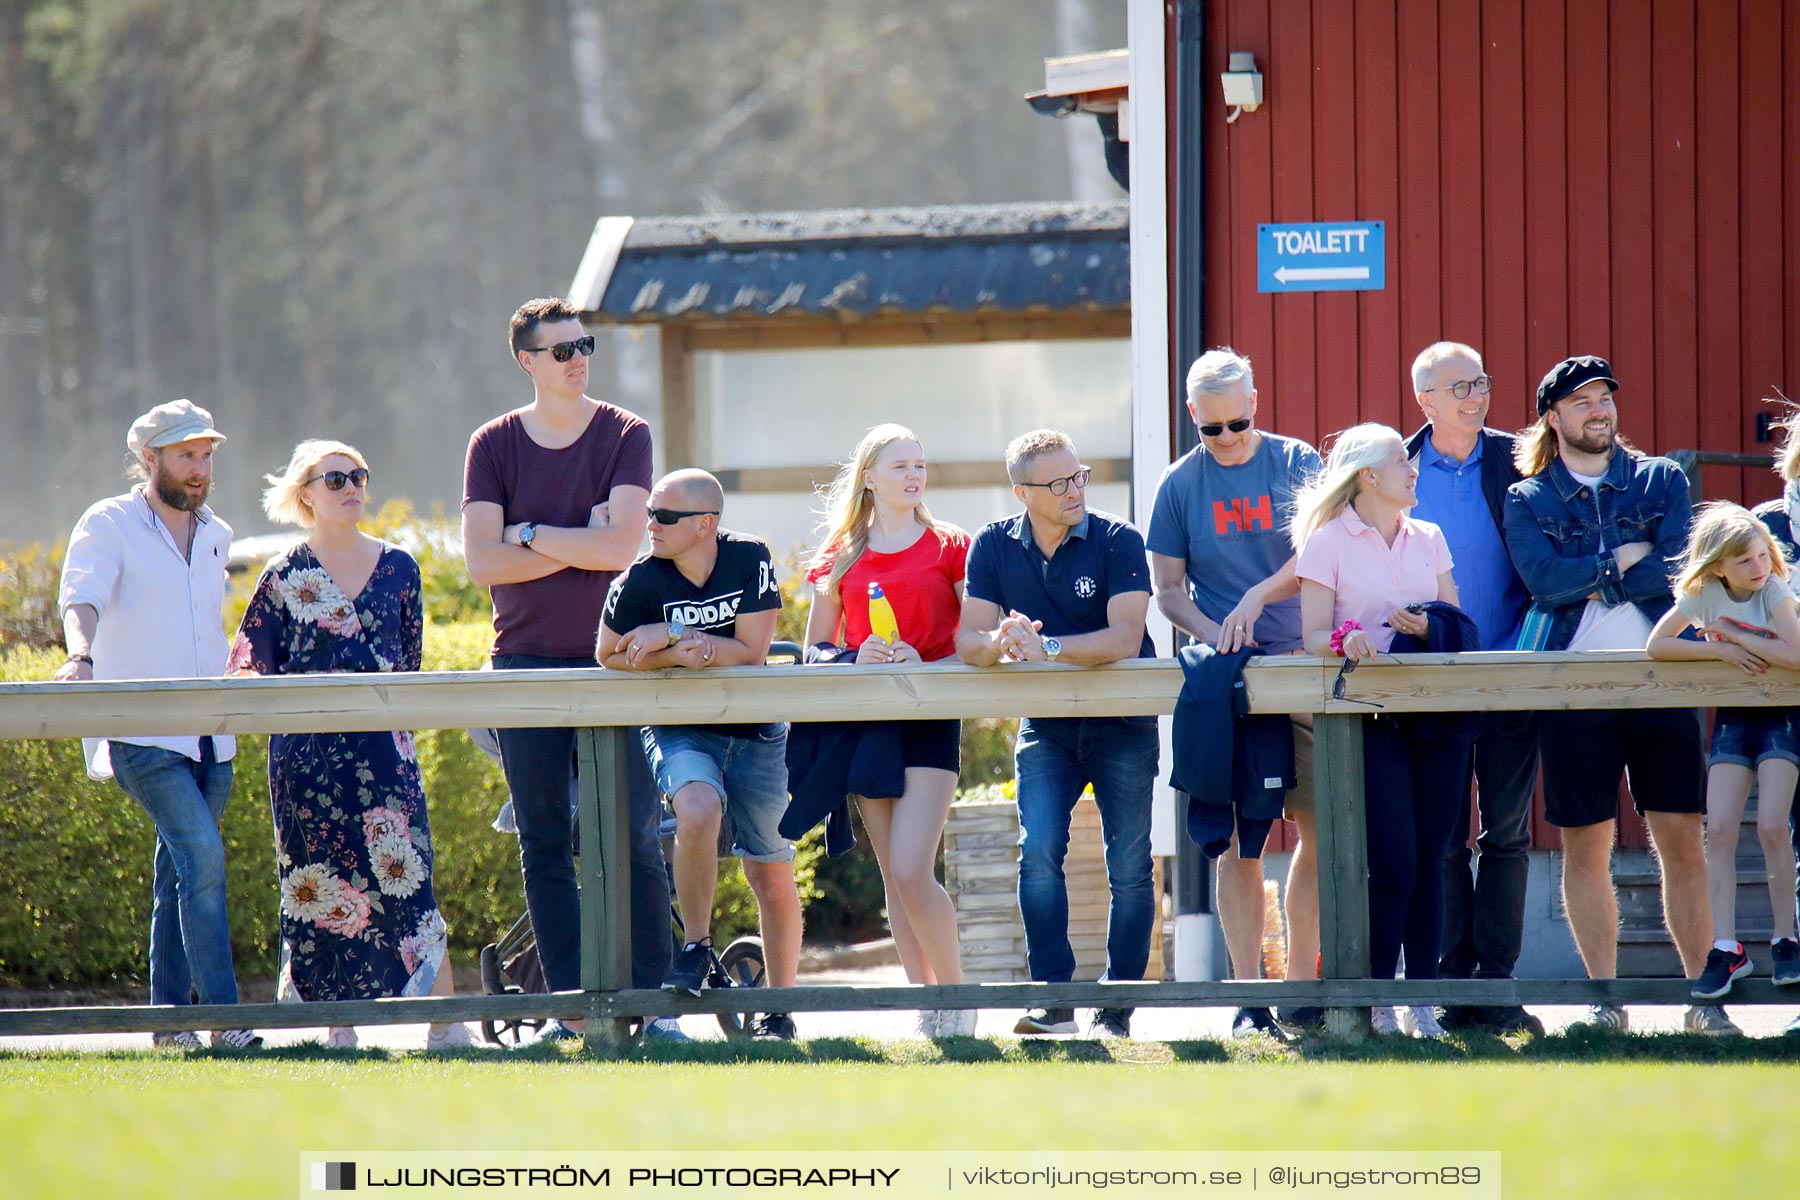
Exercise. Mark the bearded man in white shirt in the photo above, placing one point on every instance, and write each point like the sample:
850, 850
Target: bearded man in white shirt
142, 597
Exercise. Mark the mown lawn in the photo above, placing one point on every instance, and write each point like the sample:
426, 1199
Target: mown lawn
1637, 1117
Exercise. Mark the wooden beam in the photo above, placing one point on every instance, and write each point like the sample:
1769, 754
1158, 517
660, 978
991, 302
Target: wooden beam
605, 830
1075, 73
806, 333
1343, 847
679, 436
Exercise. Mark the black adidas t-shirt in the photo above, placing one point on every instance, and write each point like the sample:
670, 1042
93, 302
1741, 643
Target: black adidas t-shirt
654, 589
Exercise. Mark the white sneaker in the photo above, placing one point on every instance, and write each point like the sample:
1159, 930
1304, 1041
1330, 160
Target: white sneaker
931, 1023
1382, 1020
1711, 1020
455, 1036
180, 1040
1420, 1021
235, 1039
341, 1037
956, 1022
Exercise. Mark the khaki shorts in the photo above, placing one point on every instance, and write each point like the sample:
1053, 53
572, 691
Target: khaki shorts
1301, 798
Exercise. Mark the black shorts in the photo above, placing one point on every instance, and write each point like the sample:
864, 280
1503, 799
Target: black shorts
932, 744
1658, 750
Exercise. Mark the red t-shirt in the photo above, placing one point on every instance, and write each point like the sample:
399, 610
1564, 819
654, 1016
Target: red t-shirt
557, 616
920, 582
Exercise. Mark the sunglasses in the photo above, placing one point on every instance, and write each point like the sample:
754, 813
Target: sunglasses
1340, 685
1237, 426
673, 516
335, 480
562, 352
1060, 487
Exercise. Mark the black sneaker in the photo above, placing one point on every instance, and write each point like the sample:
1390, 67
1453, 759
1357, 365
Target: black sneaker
1510, 1018
691, 966
1464, 1016
1047, 1020
773, 1027
1722, 967
1786, 953
1301, 1018
1110, 1023
1248, 1022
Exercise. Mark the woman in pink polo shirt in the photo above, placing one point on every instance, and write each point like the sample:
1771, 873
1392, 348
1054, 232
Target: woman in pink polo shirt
1362, 561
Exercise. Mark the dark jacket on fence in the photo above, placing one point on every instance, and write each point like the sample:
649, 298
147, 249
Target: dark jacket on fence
828, 761
1235, 768
1451, 631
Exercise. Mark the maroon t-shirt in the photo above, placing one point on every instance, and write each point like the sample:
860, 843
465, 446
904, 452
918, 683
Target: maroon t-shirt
557, 616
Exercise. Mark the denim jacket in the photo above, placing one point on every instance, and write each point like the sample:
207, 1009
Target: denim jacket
1564, 539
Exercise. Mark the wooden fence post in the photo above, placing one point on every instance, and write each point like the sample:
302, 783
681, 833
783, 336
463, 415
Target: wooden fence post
1343, 852
604, 816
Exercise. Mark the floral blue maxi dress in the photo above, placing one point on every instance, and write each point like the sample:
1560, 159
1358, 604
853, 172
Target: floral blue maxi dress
359, 919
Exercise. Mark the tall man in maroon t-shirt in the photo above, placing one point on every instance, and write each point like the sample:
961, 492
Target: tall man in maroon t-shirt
553, 510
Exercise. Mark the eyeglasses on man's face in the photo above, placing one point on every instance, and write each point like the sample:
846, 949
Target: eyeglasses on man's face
674, 516
1462, 387
335, 480
562, 352
1060, 487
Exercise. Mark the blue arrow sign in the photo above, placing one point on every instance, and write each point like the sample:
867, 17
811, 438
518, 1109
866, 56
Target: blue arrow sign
1326, 256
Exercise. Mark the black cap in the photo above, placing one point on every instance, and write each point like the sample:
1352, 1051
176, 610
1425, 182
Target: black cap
1569, 375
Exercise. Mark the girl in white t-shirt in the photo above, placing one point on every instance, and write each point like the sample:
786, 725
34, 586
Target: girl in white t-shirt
1732, 587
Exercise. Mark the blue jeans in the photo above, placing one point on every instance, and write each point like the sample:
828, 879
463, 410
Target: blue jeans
190, 937
1055, 760
540, 771
749, 774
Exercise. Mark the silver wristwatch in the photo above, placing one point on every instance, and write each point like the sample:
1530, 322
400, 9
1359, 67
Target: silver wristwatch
1052, 648
677, 631
528, 534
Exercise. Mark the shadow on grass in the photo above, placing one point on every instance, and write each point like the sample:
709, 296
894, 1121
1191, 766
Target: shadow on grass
1577, 1046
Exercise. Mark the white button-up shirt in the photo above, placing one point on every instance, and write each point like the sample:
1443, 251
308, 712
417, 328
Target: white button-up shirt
161, 615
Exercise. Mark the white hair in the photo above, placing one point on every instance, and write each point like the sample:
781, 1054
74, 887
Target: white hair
1434, 354
1217, 371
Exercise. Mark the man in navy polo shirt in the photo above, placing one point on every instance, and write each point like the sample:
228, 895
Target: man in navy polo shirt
1061, 584
1464, 471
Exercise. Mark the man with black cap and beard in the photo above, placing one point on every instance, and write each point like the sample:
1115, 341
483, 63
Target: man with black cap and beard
1593, 528
143, 597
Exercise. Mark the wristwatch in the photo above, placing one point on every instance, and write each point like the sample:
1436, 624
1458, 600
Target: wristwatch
1052, 648
677, 631
528, 534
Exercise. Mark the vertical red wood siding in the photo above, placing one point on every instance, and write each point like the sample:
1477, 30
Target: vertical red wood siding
1615, 177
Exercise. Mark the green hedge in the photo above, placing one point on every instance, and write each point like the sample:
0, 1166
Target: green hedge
75, 855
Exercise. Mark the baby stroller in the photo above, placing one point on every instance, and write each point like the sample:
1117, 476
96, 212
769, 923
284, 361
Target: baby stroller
510, 966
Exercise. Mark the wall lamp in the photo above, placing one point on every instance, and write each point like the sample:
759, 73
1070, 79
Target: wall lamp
1243, 85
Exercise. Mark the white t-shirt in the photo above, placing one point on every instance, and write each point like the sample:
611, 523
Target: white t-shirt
1608, 626
1758, 612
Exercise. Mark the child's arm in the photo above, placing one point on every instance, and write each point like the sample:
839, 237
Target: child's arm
1667, 645
1784, 650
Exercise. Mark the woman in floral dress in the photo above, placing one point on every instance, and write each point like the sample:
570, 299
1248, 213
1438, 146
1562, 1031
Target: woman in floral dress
358, 916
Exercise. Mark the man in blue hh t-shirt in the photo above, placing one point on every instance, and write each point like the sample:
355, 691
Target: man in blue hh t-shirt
1224, 572
1061, 584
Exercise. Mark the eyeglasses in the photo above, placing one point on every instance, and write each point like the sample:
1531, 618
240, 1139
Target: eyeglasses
335, 480
1340, 685
1237, 426
1461, 389
1060, 487
673, 516
562, 352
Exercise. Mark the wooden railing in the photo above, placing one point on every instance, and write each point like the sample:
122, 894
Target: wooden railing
604, 704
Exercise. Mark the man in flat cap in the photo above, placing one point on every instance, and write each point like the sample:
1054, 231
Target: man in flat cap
142, 597
1593, 528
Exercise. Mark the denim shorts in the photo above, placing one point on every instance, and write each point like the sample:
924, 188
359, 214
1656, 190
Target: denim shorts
749, 774
1747, 737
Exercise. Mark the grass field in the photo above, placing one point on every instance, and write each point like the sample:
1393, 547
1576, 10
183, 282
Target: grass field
1641, 1117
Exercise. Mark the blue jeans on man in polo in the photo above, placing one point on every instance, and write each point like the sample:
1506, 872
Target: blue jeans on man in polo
1055, 760
190, 936
540, 766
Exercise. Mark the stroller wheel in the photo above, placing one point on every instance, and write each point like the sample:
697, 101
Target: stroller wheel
742, 966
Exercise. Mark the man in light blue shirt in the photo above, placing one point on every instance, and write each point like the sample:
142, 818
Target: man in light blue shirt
1464, 471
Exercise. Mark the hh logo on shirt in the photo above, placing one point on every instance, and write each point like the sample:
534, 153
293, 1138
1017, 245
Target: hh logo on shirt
705, 614
1243, 514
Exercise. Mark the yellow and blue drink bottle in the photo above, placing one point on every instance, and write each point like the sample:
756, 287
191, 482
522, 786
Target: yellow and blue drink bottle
881, 616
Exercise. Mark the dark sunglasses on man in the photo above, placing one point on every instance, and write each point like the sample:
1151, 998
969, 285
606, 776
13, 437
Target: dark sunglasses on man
674, 516
1237, 426
562, 352
335, 480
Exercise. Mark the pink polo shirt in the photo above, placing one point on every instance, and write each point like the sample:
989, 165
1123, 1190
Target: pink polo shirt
1370, 577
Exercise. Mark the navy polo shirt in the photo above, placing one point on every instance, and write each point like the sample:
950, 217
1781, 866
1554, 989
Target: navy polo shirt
1100, 558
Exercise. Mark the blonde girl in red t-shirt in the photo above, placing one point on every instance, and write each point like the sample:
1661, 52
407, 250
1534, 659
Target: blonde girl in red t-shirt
877, 530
